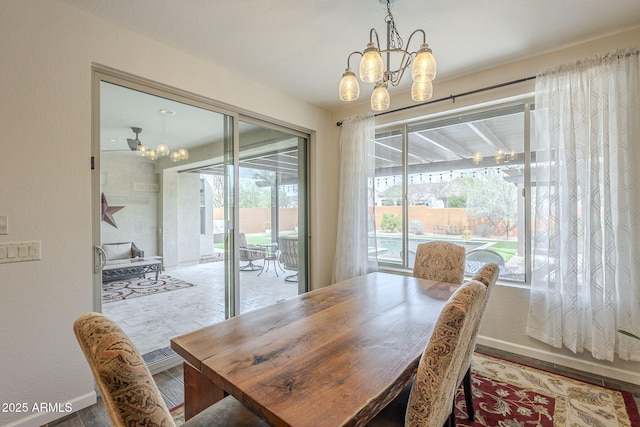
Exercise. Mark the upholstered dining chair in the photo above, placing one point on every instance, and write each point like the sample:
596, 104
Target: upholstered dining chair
428, 401
440, 261
249, 253
128, 390
488, 276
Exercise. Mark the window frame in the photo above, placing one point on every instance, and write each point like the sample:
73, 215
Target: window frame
402, 128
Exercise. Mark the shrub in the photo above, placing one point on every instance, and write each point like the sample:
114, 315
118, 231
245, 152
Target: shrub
416, 227
457, 202
390, 222
484, 229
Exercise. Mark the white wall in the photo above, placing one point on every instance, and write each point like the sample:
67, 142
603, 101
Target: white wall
207, 240
46, 50
505, 320
189, 218
132, 182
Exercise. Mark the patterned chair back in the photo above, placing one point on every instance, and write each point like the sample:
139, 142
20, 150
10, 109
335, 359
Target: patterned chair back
433, 390
440, 261
128, 389
487, 276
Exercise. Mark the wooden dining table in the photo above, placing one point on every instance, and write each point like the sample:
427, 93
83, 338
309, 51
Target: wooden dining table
331, 357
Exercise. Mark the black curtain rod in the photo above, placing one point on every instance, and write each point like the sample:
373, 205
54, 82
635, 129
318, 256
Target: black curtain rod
453, 97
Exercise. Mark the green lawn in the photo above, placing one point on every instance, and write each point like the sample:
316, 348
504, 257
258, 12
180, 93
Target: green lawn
505, 248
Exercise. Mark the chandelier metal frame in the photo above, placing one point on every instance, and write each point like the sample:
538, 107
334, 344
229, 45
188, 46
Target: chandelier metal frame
423, 68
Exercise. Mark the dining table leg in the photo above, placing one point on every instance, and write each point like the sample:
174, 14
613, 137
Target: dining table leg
199, 391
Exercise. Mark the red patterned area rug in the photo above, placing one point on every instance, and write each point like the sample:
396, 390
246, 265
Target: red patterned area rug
507, 394
177, 413
127, 289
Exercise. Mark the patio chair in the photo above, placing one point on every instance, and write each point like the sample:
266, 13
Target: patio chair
288, 246
250, 253
127, 387
428, 401
476, 258
440, 261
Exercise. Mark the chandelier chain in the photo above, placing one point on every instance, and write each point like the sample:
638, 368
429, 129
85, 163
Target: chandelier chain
394, 41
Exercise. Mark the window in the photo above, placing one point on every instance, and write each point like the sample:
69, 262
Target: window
461, 179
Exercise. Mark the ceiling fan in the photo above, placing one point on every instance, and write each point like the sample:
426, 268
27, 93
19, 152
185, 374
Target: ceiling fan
135, 144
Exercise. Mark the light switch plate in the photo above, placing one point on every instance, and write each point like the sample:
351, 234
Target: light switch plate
4, 224
20, 251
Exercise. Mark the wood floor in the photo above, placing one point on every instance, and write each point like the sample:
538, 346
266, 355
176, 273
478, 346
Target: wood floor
171, 386
169, 382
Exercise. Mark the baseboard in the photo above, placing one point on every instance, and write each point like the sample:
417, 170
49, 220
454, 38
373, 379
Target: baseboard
37, 419
562, 360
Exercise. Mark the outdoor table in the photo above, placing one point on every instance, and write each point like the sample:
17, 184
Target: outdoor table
271, 256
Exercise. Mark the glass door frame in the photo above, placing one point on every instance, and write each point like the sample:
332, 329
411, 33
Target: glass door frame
231, 158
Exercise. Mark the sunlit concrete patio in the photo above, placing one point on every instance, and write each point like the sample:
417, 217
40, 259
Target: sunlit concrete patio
152, 320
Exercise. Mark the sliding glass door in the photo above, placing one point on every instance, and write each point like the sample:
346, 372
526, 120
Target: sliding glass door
272, 212
224, 183
151, 200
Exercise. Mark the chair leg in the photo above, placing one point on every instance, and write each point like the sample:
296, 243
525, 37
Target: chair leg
250, 267
292, 278
466, 383
451, 422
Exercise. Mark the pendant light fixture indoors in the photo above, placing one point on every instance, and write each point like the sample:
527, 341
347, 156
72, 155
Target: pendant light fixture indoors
373, 69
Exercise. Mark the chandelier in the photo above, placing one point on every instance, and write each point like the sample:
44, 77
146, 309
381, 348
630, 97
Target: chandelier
162, 150
374, 70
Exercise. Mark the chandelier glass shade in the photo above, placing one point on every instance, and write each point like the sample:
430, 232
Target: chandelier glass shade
371, 65
380, 98
374, 70
349, 88
162, 150
421, 91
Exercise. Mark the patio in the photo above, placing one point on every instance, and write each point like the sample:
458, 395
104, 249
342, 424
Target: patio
152, 320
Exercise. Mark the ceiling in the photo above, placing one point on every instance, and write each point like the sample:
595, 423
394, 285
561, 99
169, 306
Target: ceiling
198, 130
300, 47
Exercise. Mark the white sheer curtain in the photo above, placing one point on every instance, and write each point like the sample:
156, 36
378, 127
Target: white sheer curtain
586, 238
356, 206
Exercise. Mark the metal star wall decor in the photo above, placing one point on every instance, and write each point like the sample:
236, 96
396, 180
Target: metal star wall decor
108, 211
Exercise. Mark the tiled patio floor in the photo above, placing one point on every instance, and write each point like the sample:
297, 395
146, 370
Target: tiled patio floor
152, 320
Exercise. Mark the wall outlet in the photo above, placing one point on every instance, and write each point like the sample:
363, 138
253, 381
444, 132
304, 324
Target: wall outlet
4, 224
